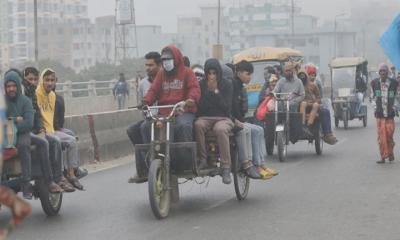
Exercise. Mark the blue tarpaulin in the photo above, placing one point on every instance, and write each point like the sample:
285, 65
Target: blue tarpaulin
390, 42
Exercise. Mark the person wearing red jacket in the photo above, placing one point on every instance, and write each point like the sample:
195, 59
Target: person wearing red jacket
174, 83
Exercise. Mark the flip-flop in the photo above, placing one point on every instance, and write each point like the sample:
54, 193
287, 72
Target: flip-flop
66, 186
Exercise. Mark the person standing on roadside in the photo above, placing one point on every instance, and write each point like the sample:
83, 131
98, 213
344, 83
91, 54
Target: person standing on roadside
384, 91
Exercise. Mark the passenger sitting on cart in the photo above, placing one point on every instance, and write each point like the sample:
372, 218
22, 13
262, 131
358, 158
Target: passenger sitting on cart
361, 89
173, 84
324, 113
250, 140
311, 102
214, 111
291, 84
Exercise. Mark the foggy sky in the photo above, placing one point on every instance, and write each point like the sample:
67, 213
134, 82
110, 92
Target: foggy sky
165, 12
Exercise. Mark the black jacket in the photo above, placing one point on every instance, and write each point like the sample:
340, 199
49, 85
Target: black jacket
30, 92
239, 100
213, 104
59, 113
377, 94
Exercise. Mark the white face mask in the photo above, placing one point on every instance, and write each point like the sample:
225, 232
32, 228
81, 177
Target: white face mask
168, 65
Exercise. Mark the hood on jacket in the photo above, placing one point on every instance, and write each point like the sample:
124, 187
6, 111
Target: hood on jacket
14, 77
40, 88
227, 73
178, 57
213, 63
302, 71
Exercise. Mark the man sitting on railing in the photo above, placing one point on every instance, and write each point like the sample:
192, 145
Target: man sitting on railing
173, 84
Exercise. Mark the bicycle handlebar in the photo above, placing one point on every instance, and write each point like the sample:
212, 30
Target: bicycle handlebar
147, 109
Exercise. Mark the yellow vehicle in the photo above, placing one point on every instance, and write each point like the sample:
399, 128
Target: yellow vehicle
261, 57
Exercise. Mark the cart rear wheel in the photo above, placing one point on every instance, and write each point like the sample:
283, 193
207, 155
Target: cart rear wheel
159, 195
240, 180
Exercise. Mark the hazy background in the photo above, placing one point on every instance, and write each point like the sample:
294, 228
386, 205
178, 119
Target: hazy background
165, 12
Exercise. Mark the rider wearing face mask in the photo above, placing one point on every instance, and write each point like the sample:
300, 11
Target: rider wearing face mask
174, 83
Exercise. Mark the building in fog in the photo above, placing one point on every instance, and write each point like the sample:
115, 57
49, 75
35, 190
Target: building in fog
17, 30
197, 35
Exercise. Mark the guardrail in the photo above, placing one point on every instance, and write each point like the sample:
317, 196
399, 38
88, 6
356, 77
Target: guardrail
91, 88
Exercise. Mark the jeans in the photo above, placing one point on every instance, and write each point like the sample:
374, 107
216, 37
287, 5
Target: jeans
251, 144
181, 129
55, 155
42, 148
325, 117
121, 101
24, 153
221, 126
71, 147
257, 144
134, 133
360, 98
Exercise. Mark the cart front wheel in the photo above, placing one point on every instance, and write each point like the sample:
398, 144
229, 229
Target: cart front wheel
51, 202
159, 195
281, 142
345, 120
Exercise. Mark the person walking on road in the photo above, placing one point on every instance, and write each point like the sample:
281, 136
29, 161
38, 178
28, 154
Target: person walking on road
121, 91
384, 91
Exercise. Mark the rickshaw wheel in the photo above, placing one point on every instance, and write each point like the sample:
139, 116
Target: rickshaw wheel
365, 120
318, 143
240, 180
345, 120
269, 146
51, 202
159, 195
336, 122
281, 142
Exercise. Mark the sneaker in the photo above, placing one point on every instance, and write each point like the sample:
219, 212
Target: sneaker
330, 139
27, 191
381, 161
252, 172
264, 174
270, 170
137, 179
226, 176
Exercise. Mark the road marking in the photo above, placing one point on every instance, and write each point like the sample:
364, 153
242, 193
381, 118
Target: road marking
216, 204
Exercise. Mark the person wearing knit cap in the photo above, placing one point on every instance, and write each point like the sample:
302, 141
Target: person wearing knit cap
384, 91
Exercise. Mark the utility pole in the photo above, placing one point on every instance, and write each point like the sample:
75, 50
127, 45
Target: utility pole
219, 23
35, 17
335, 35
292, 20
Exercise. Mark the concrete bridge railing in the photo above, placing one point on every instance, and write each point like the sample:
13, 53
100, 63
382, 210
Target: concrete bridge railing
102, 136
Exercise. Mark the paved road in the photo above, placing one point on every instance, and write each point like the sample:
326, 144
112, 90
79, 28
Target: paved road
341, 195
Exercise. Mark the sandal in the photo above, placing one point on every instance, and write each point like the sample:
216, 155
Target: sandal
55, 188
64, 184
75, 182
